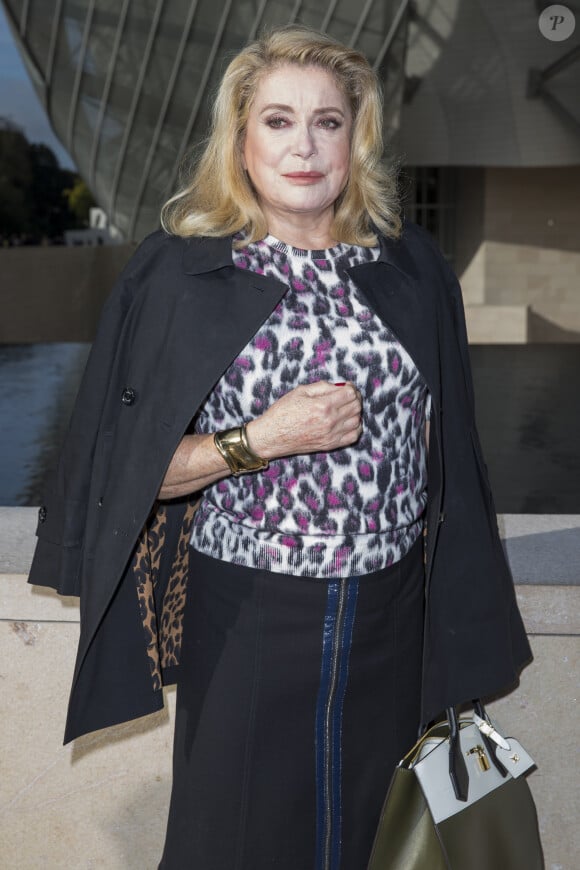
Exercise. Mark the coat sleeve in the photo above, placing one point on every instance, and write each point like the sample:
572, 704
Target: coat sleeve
458, 310
62, 515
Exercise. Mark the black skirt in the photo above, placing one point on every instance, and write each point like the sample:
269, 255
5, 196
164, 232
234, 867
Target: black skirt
295, 700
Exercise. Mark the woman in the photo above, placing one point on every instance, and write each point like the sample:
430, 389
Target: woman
252, 430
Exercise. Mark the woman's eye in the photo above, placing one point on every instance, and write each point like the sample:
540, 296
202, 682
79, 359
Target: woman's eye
329, 123
276, 122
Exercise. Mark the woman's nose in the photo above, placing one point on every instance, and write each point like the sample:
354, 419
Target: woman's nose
304, 145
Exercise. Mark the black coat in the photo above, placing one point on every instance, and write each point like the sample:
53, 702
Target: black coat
176, 319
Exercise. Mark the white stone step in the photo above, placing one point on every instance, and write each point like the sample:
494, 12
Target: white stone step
498, 324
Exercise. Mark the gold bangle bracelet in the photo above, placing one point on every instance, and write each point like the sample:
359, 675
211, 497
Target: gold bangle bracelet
233, 446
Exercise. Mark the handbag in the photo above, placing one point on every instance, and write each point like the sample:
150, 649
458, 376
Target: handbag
459, 800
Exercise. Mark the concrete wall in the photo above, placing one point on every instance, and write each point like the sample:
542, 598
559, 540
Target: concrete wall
470, 183
537, 207
498, 324
506, 285
518, 246
102, 802
56, 293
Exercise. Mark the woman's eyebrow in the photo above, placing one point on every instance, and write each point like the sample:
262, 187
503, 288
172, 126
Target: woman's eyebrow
280, 107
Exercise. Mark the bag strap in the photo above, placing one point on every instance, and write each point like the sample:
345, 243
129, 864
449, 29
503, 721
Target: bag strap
489, 744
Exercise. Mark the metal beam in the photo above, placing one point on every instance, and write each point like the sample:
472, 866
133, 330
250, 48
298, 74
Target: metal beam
543, 75
360, 23
34, 70
133, 108
53, 41
559, 109
199, 96
295, 12
328, 15
390, 37
188, 24
104, 101
23, 24
257, 20
75, 96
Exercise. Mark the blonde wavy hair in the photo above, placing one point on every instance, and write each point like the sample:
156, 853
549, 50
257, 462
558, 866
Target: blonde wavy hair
217, 197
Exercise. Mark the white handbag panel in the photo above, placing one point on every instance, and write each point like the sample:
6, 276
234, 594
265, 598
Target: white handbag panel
432, 770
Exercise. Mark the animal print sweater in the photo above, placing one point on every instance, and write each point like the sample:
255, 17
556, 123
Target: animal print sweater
347, 512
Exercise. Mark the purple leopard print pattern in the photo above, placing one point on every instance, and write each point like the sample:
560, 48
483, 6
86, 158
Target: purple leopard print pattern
337, 514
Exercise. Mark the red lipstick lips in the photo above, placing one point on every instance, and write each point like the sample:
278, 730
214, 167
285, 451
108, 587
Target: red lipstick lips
304, 177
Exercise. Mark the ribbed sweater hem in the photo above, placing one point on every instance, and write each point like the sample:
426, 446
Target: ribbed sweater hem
316, 556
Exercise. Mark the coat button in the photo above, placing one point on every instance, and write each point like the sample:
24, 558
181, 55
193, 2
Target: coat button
42, 514
128, 396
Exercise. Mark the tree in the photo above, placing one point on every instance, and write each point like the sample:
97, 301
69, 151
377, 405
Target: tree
51, 214
15, 180
80, 200
38, 199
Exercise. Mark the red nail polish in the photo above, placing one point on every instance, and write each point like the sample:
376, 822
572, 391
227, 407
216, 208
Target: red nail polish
341, 384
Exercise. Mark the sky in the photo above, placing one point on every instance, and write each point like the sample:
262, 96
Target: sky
18, 100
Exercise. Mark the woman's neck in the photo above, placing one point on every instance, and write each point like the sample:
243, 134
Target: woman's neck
309, 232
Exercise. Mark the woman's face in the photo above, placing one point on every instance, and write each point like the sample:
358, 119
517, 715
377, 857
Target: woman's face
297, 146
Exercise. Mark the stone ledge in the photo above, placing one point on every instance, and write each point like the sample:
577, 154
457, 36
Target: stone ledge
546, 610
542, 549
24, 603
17, 538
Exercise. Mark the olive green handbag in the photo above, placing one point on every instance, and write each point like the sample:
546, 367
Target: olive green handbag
459, 800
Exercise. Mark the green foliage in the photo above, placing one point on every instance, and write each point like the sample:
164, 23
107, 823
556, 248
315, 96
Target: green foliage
38, 199
80, 200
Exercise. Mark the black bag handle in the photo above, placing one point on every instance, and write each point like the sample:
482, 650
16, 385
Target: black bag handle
457, 767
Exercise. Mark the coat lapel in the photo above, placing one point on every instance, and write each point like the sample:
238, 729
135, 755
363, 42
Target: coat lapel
220, 308
396, 291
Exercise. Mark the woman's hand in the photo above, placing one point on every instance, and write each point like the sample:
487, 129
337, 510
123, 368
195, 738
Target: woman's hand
312, 418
